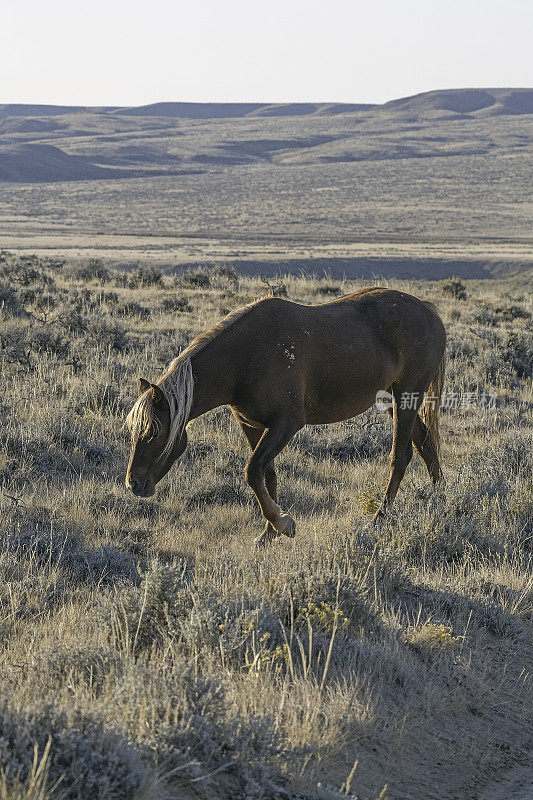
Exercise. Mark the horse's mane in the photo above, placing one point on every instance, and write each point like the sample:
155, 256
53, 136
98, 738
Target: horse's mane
177, 385
204, 338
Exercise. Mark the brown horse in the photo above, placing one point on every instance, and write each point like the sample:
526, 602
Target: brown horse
281, 365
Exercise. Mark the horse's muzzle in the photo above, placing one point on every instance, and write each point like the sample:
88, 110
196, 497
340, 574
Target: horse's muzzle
141, 488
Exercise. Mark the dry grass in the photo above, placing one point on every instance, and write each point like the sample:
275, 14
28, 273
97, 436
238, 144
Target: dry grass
162, 656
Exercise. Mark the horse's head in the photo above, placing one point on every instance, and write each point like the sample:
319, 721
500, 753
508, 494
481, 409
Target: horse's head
154, 443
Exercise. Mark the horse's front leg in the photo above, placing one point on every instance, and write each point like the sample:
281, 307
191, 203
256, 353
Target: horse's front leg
272, 442
253, 432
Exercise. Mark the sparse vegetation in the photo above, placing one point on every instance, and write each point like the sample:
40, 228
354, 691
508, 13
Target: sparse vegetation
439, 180
454, 287
147, 651
430, 637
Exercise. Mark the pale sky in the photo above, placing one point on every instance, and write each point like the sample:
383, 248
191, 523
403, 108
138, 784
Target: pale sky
126, 52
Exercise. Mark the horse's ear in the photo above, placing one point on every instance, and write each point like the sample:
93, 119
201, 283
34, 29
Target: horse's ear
157, 394
144, 385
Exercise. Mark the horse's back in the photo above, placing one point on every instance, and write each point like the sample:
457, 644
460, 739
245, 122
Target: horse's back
392, 319
396, 316
332, 358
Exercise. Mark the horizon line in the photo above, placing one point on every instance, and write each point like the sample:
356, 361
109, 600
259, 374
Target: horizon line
269, 102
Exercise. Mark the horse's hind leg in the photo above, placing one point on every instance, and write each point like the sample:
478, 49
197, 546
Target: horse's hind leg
401, 454
253, 433
424, 446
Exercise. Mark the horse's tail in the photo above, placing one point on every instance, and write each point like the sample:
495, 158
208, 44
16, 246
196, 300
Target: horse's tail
430, 410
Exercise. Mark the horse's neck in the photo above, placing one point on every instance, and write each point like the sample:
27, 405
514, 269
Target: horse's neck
213, 377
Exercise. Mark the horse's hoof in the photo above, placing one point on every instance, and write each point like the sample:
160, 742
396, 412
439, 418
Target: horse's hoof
266, 537
286, 526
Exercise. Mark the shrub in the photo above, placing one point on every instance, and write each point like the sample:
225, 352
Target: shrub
510, 313
227, 274
109, 297
145, 615
274, 289
486, 317
23, 273
328, 289
72, 320
370, 500
428, 636
55, 263
54, 665
93, 762
147, 276
105, 334
10, 303
133, 309
453, 287
122, 279
322, 615
518, 351
15, 347
199, 279
93, 269
180, 304
45, 340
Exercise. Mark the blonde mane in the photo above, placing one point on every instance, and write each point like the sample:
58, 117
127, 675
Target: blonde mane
177, 385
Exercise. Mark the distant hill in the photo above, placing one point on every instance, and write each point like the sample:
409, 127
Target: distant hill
232, 110
32, 110
468, 101
41, 143
42, 162
457, 101
188, 110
